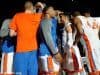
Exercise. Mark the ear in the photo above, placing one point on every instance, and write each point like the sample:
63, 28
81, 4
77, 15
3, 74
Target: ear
47, 12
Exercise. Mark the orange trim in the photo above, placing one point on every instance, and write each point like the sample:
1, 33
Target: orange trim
73, 71
48, 73
80, 70
95, 73
89, 49
75, 62
50, 63
5, 63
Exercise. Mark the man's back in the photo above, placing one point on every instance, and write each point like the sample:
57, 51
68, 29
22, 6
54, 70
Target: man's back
26, 26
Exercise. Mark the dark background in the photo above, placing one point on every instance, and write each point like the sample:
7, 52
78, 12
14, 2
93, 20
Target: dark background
9, 7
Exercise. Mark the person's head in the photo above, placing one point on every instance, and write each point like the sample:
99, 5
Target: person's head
86, 13
29, 6
64, 17
58, 12
74, 14
39, 6
49, 11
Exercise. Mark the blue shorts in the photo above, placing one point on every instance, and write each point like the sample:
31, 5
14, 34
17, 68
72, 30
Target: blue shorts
7, 45
26, 63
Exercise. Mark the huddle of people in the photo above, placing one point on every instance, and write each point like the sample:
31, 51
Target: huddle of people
30, 42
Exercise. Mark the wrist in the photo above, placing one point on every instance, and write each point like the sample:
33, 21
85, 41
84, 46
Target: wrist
55, 53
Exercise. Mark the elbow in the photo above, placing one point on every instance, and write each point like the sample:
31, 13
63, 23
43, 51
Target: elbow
70, 31
12, 33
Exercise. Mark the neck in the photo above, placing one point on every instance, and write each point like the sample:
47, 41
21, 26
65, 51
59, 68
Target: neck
29, 11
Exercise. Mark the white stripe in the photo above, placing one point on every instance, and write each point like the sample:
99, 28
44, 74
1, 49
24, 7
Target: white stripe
44, 63
10, 62
2, 61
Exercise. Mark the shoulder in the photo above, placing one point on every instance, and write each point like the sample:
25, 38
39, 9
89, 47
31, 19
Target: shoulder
38, 15
19, 14
80, 17
46, 22
6, 21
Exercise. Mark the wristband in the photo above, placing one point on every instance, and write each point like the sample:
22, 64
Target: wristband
55, 54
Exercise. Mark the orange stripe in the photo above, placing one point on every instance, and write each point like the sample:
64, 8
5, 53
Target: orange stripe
50, 64
73, 71
75, 61
5, 63
89, 49
48, 73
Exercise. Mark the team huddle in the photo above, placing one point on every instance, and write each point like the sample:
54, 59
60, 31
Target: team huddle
30, 42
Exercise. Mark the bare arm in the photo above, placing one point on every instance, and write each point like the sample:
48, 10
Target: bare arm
78, 26
12, 33
69, 31
13, 27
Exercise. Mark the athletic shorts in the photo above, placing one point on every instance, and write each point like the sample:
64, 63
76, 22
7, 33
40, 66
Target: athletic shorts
48, 64
7, 63
26, 63
72, 61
